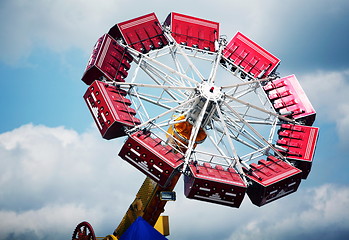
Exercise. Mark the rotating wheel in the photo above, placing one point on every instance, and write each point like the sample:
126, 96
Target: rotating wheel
187, 97
84, 231
218, 106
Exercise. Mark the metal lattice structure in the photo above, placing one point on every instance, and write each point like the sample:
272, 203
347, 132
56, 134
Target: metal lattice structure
191, 102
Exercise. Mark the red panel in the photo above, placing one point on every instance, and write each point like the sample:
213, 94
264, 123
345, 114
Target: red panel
193, 32
151, 156
299, 143
272, 179
110, 109
143, 33
109, 60
250, 56
215, 185
289, 99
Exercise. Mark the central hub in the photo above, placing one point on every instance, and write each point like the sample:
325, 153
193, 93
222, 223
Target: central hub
207, 92
210, 91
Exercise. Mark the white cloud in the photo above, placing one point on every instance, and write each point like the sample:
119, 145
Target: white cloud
56, 25
62, 25
307, 214
53, 178
47, 222
311, 215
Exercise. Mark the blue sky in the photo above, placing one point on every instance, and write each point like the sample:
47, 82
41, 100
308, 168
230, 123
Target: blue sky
55, 170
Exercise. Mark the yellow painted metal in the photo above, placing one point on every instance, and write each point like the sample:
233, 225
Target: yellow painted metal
147, 204
109, 237
162, 225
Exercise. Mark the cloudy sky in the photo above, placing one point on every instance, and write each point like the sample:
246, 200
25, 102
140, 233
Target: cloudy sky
56, 170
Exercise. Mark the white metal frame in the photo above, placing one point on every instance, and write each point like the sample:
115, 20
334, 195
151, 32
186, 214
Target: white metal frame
169, 82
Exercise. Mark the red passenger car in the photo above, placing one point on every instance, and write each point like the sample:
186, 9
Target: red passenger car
152, 156
193, 32
299, 144
272, 179
110, 109
109, 60
250, 57
214, 184
143, 33
289, 99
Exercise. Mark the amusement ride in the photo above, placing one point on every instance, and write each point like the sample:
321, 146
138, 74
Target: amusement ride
190, 102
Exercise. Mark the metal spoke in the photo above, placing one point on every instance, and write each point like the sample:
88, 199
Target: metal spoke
194, 133
148, 99
230, 142
171, 70
179, 48
240, 130
163, 114
166, 78
229, 162
213, 74
154, 86
155, 75
255, 131
258, 108
246, 83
